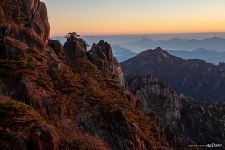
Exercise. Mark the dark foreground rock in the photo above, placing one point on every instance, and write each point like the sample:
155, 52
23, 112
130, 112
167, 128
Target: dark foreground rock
63, 97
22, 128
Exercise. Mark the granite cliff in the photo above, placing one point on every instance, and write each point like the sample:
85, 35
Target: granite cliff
55, 96
184, 121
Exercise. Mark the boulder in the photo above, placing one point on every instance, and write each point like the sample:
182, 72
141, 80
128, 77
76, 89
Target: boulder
47, 138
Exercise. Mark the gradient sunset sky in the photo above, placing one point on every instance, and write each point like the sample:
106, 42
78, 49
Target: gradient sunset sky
108, 17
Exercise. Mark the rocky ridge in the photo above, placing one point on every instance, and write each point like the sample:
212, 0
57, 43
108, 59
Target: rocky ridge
63, 97
184, 121
194, 78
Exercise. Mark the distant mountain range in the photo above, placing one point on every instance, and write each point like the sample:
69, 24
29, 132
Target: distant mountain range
214, 43
211, 49
210, 56
58, 96
122, 54
195, 78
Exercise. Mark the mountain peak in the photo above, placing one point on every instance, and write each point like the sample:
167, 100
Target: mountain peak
217, 38
181, 74
158, 49
160, 52
156, 53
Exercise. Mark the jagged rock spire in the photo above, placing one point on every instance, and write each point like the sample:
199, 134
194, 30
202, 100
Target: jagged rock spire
102, 56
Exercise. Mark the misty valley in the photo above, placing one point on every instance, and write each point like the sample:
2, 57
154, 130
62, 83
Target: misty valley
136, 91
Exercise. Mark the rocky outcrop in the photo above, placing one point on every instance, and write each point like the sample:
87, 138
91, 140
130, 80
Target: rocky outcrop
184, 121
199, 120
101, 55
24, 25
157, 99
25, 33
57, 47
75, 48
30, 15
63, 102
195, 78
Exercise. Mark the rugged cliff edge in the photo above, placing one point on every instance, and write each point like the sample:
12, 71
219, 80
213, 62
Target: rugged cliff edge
184, 121
63, 97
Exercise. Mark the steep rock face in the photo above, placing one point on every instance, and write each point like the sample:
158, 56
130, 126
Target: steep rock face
24, 25
68, 96
101, 55
31, 16
195, 78
26, 62
184, 121
24, 34
117, 131
203, 122
156, 98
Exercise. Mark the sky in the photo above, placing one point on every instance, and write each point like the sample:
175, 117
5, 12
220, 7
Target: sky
116, 17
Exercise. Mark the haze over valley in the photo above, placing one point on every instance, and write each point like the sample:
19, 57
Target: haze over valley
207, 46
112, 75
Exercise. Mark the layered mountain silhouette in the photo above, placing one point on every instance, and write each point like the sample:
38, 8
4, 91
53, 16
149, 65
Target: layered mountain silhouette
210, 56
214, 43
210, 49
122, 54
57, 96
195, 78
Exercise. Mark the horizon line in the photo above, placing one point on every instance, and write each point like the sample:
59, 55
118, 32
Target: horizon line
136, 34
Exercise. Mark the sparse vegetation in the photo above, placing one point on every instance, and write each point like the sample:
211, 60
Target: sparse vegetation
17, 117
